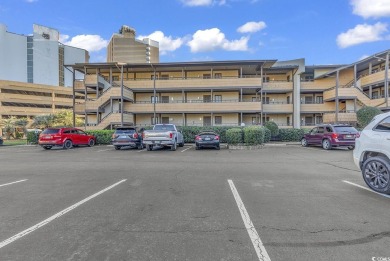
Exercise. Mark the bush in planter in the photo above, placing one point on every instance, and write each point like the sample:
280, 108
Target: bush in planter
366, 114
253, 135
273, 127
291, 134
32, 137
267, 135
234, 136
102, 136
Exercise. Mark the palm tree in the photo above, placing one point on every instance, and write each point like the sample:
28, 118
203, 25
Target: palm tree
9, 126
43, 121
22, 123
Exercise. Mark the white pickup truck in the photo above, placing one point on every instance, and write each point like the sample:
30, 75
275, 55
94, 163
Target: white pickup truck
163, 135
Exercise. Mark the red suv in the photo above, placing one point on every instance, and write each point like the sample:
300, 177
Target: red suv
331, 135
65, 137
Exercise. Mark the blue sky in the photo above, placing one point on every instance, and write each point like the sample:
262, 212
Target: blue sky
321, 31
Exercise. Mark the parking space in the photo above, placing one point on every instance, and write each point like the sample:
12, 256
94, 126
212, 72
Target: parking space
104, 204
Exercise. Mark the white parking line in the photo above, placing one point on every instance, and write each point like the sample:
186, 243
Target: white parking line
141, 150
13, 182
250, 228
46, 221
356, 185
104, 150
186, 149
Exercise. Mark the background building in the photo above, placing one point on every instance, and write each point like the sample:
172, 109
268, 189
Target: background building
124, 48
38, 58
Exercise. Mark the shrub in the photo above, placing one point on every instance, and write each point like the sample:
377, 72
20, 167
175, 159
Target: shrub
366, 114
234, 136
267, 135
189, 132
273, 127
291, 134
102, 136
253, 135
32, 137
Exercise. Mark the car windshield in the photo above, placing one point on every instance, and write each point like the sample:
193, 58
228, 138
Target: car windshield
345, 129
164, 127
125, 131
50, 131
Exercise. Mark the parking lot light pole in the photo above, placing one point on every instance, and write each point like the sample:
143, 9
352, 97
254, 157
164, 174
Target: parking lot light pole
121, 105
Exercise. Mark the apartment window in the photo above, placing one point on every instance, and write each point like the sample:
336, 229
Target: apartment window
218, 75
206, 120
319, 99
165, 120
288, 121
218, 120
266, 100
206, 76
319, 119
308, 99
266, 79
206, 98
254, 120
288, 99
308, 120
218, 98
375, 95
153, 121
154, 99
164, 99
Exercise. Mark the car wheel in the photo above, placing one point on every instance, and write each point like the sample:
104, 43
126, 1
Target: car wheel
47, 147
326, 144
304, 142
376, 174
91, 143
173, 147
181, 144
140, 146
149, 147
68, 144
117, 147
351, 147
218, 148
197, 147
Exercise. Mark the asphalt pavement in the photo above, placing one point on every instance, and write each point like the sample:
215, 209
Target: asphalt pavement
274, 203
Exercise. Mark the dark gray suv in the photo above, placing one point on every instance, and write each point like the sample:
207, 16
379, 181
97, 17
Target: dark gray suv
127, 137
331, 135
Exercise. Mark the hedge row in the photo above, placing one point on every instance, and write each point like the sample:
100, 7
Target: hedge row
232, 135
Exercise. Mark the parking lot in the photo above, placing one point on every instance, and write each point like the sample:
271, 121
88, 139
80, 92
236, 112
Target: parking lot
275, 203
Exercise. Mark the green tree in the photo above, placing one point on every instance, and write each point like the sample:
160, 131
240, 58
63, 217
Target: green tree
273, 127
43, 121
9, 126
366, 114
21, 124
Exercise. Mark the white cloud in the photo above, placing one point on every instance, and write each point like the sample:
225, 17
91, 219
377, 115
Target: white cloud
91, 43
203, 2
363, 57
362, 33
252, 27
213, 39
166, 43
371, 8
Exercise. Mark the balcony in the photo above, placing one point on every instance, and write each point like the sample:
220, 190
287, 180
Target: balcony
372, 78
317, 107
195, 107
114, 119
342, 117
192, 83
278, 87
277, 108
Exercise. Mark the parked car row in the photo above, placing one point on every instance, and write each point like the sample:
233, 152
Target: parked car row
162, 135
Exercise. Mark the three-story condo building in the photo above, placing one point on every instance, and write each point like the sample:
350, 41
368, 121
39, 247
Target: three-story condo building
220, 93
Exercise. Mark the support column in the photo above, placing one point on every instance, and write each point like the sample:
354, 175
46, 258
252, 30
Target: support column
296, 100
73, 100
110, 76
369, 68
241, 118
354, 105
354, 75
183, 118
241, 95
182, 96
370, 91
261, 96
212, 122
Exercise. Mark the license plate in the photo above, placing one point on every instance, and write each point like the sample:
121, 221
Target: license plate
207, 139
348, 136
157, 142
123, 137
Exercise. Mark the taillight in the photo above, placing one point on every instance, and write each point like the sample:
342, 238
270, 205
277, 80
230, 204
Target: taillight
114, 136
335, 136
135, 135
171, 135
56, 136
216, 138
143, 134
198, 138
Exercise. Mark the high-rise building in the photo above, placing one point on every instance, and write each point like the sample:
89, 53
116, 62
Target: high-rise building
38, 58
125, 48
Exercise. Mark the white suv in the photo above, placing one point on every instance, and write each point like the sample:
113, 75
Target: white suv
372, 153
